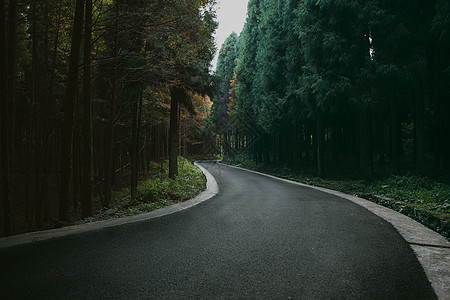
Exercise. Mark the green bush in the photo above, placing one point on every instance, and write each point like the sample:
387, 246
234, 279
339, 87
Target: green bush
155, 192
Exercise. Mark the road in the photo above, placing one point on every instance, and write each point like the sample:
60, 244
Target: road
259, 238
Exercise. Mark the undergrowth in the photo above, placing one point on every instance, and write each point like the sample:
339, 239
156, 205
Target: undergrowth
155, 192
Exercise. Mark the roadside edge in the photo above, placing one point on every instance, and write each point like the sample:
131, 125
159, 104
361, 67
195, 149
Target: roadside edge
211, 190
431, 249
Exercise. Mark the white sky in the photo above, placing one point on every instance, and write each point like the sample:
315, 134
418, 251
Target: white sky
231, 15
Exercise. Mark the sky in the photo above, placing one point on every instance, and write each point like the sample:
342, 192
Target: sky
231, 15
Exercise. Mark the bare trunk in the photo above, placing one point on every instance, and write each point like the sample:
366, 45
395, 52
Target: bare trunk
4, 124
86, 191
395, 137
419, 130
69, 110
110, 131
135, 142
175, 94
320, 145
8, 110
366, 166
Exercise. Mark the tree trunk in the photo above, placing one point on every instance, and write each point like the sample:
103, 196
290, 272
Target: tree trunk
86, 192
320, 145
33, 127
419, 130
379, 134
135, 142
4, 126
366, 165
8, 69
308, 141
175, 95
110, 131
395, 137
76, 162
69, 109
446, 133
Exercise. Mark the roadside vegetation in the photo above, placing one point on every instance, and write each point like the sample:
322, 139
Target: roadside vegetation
157, 190
422, 198
91, 92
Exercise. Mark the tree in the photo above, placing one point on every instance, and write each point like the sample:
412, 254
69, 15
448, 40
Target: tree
439, 76
245, 70
8, 99
344, 68
226, 64
69, 110
134, 52
112, 105
191, 71
87, 152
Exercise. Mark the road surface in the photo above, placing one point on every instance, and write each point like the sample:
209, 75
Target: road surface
259, 238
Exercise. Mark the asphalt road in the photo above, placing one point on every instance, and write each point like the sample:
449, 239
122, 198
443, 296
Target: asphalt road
259, 238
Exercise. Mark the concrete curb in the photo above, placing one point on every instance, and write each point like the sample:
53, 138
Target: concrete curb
211, 190
431, 249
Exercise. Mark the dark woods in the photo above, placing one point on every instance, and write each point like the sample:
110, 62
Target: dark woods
86, 90
92, 91
338, 84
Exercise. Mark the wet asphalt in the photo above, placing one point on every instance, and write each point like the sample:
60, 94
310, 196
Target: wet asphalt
259, 238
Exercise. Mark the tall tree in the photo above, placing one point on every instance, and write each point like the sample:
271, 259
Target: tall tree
109, 148
226, 63
245, 70
69, 113
191, 69
86, 195
7, 98
439, 76
4, 151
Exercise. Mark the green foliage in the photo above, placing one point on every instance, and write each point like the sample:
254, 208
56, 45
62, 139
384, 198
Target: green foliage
155, 192
319, 79
226, 64
417, 190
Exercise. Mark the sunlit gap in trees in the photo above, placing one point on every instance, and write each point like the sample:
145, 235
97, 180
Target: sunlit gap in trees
371, 49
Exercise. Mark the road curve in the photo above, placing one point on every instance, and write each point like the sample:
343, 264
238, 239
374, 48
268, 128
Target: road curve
258, 238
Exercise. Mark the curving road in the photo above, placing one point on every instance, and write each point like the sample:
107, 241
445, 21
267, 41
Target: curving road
259, 238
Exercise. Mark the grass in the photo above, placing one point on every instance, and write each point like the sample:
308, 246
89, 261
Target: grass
155, 192
419, 197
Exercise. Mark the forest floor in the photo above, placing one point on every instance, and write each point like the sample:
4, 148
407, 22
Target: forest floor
425, 199
155, 190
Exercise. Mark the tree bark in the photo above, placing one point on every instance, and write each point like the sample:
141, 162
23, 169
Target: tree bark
69, 109
320, 145
395, 138
446, 132
135, 142
8, 69
4, 126
110, 130
86, 190
366, 163
419, 130
175, 94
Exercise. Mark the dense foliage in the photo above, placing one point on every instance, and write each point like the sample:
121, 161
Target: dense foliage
331, 82
92, 90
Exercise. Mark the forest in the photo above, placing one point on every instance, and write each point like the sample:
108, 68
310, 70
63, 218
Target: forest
347, 85
97, 94
94, 92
